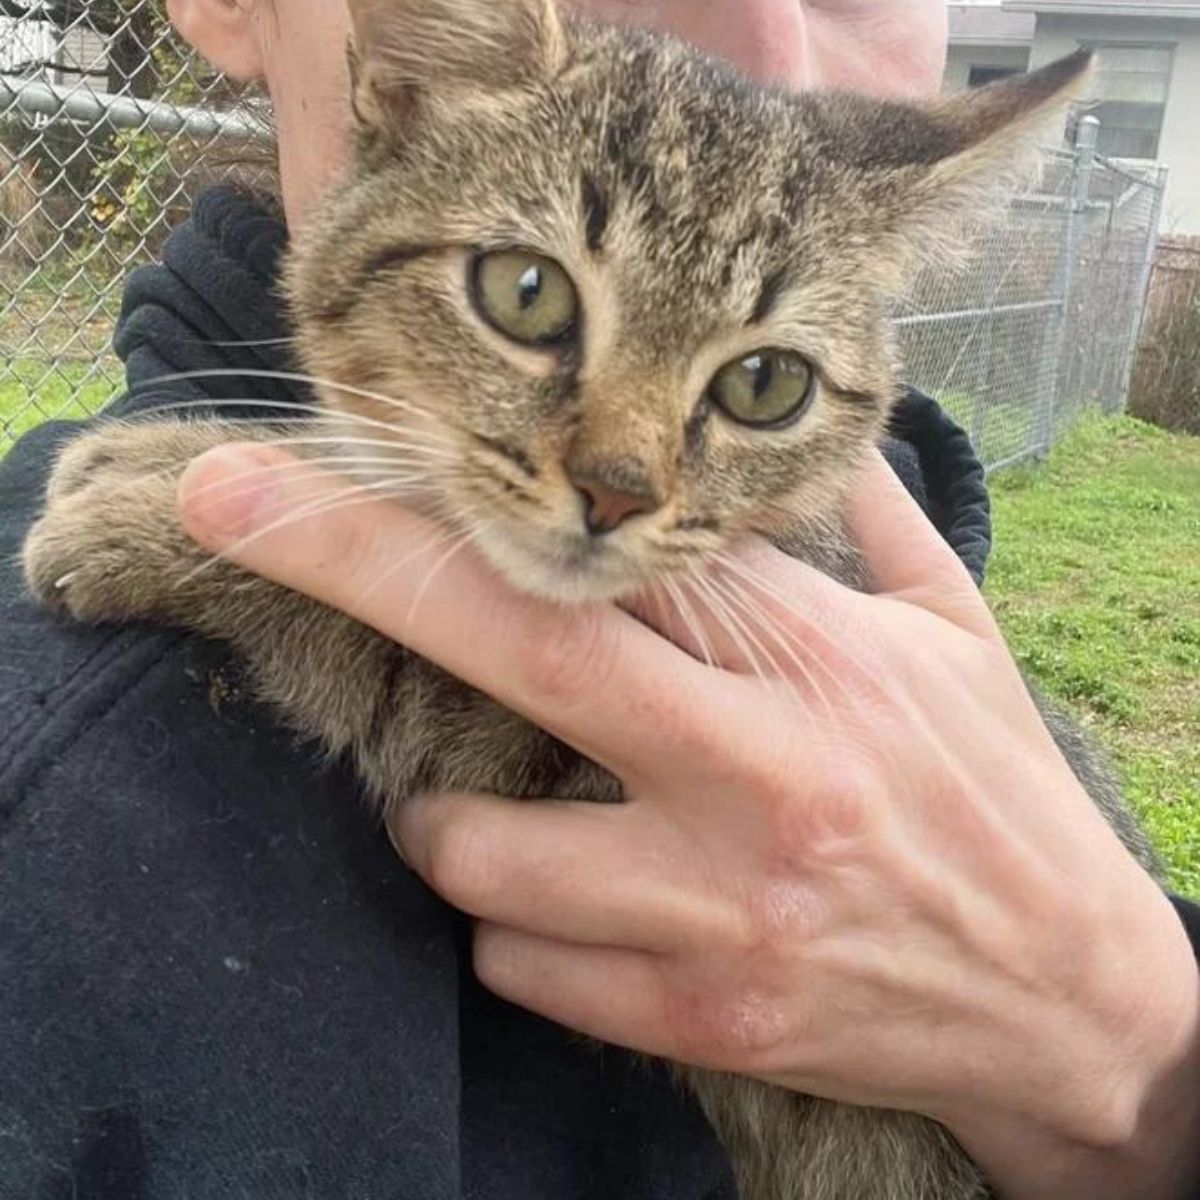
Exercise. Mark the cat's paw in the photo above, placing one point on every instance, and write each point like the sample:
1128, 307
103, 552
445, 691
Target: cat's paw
130, 451
109, 545
84, 556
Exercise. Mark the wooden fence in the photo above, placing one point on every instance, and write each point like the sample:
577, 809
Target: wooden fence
1166, 376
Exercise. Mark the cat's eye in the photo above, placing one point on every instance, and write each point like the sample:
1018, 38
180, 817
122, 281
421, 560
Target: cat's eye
767, 389
527, 297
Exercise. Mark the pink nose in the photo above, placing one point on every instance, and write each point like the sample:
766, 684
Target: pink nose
606, 509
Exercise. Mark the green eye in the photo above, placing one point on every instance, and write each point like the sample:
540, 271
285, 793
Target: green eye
766, 389
526, 297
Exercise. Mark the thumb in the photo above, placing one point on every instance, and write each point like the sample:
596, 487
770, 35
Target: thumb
906, 557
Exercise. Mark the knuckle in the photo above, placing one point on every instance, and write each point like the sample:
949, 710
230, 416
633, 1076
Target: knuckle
824, 820
346, 553
736, 1031
1108, 1115
459, 862
569, 669
493, 958
783, 916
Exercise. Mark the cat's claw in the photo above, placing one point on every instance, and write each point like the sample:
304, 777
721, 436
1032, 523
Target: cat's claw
109, 545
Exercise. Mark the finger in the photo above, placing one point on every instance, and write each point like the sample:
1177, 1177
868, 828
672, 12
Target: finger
906, 556
593, 676
615, 995
645, 1002
600, 874
738, 614
761, 613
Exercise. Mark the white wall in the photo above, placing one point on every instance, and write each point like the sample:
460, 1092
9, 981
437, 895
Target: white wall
962, 58
1180, 145
83, 49
23, 41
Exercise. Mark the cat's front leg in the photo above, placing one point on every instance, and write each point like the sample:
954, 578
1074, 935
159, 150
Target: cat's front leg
109, 545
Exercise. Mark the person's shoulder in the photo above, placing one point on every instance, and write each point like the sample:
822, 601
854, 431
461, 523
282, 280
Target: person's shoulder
75, 696
54, 675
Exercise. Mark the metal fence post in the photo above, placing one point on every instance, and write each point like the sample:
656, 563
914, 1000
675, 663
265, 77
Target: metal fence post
1149, 254
1087, 137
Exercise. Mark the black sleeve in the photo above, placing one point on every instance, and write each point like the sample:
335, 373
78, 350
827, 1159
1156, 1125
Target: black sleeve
1189, 914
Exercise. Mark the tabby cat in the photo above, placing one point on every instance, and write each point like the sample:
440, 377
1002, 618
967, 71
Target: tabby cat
603, 306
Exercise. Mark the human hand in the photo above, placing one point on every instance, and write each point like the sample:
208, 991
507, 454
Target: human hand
866, 874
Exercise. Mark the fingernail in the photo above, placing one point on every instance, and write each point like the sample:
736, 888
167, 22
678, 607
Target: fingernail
225, 494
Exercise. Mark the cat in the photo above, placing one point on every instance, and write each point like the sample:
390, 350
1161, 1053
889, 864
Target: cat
605, 306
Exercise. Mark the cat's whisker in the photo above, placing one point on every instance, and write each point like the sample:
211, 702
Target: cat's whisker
428, 546
441, 509
345, 465
788, 644
856, 702
692, 624
229, 344
745, 641
335, 464
733, 628
772, 592
311, 413
788, 605
203, 405
361, 494
432, 450
315, 474
665, 609
459, 545
300, 377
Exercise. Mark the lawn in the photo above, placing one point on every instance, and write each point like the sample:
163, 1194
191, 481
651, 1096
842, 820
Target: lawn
32, 390
1096, 581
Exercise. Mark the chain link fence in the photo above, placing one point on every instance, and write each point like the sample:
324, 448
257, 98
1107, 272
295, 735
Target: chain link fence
108, 127
1042, 322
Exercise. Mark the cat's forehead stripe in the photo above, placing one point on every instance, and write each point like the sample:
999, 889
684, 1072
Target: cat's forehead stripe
768, 298
595, 213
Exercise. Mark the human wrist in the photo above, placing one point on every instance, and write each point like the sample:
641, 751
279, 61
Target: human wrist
1124, 1119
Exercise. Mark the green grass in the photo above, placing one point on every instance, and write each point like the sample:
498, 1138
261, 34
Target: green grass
31, 392
1096, 581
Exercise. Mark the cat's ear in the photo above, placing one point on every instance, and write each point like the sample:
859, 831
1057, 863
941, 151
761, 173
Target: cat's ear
986, 131
403, 51
930, 167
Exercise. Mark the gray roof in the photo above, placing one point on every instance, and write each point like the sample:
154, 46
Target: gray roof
989, 25
1180, 9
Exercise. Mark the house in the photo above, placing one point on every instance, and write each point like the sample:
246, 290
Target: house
23, 42
1147, 90
987, 43
35, 49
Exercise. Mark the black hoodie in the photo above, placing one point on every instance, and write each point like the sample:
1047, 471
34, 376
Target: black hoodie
218, 980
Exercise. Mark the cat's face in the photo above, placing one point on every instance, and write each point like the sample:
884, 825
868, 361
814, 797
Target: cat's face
615, 306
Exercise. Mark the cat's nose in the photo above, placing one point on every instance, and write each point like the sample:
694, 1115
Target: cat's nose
606, 509
613, 489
